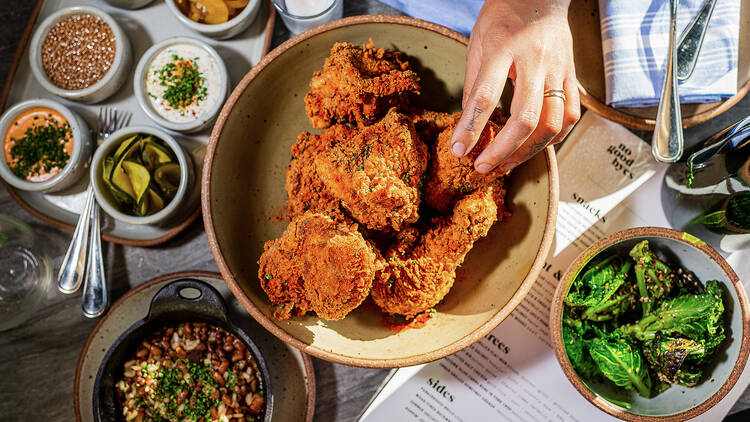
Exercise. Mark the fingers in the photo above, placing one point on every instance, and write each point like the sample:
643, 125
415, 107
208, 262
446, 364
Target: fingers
473, 63
572, 108
549, 128
526, 109
484, 96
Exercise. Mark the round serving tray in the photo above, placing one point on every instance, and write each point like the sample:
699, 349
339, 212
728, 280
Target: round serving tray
583, 16
20, 85
291, 371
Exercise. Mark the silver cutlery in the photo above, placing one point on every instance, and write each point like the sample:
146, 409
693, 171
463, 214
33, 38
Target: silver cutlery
86, 242
691, 41
667, 142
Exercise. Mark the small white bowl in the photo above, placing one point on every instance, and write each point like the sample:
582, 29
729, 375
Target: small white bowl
129, 4
141, 93
104, 87
76, 166
219, 31
104, 197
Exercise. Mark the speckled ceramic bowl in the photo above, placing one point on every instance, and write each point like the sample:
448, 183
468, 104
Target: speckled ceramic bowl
677, 403
76, 166
243, 189
104, 87
220, 31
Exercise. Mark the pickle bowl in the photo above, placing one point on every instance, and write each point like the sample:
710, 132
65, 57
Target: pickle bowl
678, 402
220, 31
112, 79
144, 97
103, 191
76, 166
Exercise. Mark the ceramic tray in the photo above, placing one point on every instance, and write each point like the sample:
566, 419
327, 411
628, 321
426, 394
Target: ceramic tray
587, 50
291, 371
144, 28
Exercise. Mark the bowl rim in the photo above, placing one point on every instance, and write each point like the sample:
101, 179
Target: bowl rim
624, 235
269, 323
141, 93
122, 44
80, 137
115, 139
215, 29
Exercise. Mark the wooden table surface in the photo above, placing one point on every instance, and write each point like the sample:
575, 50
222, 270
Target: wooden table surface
38, 359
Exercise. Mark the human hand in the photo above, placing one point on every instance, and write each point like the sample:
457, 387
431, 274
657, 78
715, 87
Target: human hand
528, 41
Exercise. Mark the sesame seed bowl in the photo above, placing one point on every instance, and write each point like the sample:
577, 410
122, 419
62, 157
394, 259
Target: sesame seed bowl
81, 54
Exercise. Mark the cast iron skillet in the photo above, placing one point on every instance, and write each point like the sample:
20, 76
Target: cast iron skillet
184, 300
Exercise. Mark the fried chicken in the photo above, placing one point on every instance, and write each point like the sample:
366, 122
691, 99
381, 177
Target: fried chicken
305, 190
421, 269
450, 178
359, 84
430, 123
318, 265
376, 174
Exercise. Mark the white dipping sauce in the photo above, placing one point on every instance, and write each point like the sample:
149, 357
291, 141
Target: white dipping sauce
206, 66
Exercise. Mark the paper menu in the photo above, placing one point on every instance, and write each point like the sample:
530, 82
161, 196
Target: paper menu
512, 373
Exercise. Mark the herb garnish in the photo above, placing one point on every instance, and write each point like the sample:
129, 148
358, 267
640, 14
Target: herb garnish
185, 83
41, 149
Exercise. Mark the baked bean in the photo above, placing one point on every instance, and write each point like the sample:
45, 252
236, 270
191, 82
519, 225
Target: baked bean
180, 352
155, 351
217, 377
224, 365
141, 353
237, 356
226, 399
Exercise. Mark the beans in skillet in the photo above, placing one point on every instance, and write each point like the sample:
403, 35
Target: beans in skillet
191, 372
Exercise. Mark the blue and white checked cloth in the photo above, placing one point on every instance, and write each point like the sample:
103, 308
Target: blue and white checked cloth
458, 15
635, 40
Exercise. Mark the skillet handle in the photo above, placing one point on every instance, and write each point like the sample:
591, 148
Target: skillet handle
188, 296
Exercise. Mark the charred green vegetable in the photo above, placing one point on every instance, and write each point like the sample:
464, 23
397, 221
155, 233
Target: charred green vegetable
667, 339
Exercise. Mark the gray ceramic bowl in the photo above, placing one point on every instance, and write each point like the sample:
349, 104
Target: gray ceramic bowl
677, 403
141, 94
220, 31
76, 166
104, 87
103, 196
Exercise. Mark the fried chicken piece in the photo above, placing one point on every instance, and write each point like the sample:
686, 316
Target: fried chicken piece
430, 123
359, 84
421, 269
376, 175
305, 190
319, 265
450, 178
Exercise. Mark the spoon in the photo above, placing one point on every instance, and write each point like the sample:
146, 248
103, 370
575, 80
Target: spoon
667, 142
691, 41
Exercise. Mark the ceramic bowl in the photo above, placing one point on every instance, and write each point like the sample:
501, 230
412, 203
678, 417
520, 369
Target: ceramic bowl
183, 300
243, 189
677, 403
129, 4
220, 31
104, 197
76, 166
104, 87
141, 93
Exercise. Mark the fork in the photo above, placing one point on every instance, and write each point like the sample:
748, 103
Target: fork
86, 237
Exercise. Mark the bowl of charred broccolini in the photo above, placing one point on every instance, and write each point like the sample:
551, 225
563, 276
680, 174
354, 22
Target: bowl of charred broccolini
651, 324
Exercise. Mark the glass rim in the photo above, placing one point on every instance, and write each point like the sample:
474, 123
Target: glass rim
284, 12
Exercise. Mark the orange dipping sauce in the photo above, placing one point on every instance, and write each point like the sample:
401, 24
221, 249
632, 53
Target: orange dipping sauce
34, 117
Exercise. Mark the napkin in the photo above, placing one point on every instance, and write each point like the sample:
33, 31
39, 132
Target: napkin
457, 15
635, 41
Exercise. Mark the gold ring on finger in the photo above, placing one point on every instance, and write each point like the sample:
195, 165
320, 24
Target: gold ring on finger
558, 93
